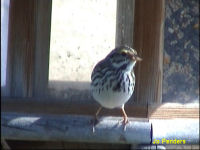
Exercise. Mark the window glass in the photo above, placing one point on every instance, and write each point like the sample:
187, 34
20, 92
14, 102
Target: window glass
82, 33
181, 52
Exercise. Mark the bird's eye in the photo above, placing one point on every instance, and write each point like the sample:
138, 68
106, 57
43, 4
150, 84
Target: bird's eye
123, 54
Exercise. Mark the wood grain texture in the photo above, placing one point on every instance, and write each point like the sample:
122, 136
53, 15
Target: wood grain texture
42, 47
125, 22
148, 41
28, 47
54, 106
21, 45
173, 110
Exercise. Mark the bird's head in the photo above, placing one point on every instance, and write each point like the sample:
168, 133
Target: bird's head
123, 57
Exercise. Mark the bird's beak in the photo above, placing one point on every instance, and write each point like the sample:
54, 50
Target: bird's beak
134, 57
138, 58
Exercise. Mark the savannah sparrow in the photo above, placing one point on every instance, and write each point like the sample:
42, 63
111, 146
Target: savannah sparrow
113, 79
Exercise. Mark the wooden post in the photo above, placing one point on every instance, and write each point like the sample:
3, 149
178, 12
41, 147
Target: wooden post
148, 41
21, 45
28, 47
42, 49
124, 24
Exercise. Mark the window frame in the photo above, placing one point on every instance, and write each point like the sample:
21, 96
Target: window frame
33, 72
31, 75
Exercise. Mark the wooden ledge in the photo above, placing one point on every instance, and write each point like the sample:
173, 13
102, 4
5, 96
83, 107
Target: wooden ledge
55, 106
18, 126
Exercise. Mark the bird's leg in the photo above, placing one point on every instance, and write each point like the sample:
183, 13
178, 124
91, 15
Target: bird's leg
98, 111
125, 118
96, 118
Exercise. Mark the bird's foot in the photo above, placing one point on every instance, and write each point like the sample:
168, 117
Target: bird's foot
94, 122
124, 122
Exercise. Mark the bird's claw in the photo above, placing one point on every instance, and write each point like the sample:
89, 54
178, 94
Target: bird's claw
94, 122
124, 122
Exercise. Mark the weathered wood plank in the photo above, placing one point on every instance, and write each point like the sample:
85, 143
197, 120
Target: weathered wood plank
4, 46
73, 128
42, 47
21, 45
173, 110
148, 41
55, 106
28, 47
125, 22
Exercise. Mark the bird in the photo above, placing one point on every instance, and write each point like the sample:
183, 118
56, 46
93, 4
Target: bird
113, 80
